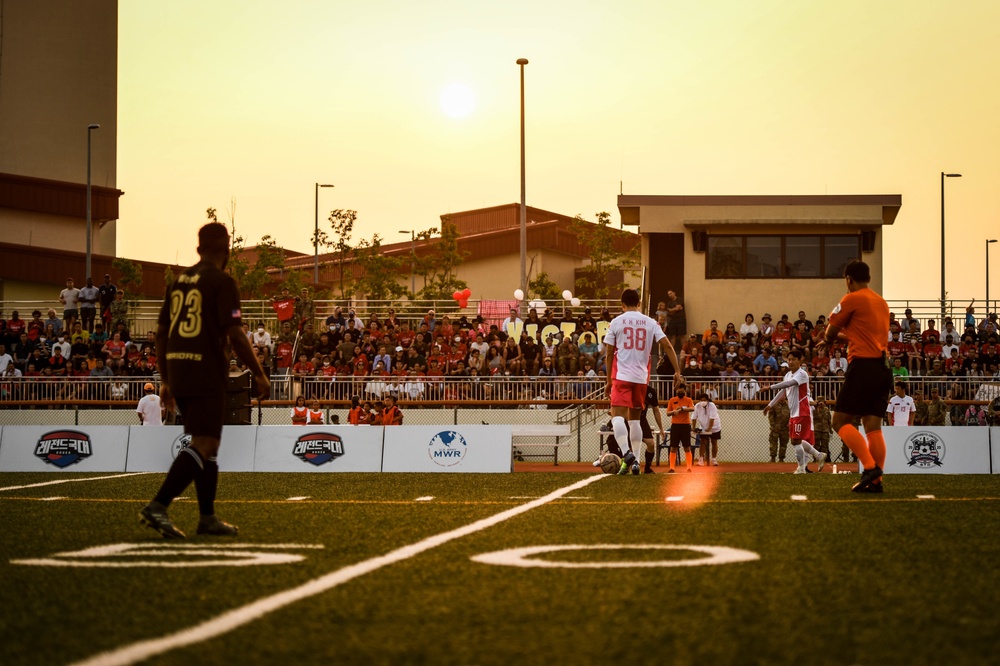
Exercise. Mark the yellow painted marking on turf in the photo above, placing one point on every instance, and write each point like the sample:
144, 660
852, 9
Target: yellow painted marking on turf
51, 499
799, 498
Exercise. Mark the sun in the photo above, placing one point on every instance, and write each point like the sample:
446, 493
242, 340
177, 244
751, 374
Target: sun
457, 100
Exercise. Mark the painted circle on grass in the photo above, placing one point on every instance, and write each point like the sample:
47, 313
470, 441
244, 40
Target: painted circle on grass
519, 557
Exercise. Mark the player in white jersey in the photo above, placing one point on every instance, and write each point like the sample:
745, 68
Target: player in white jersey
901, 409
628, 345
800, 425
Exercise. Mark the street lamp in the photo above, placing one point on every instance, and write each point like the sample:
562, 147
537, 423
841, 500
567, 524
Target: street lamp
943, 176
90, 128
524, 228
316, 236
413, 259
987, 312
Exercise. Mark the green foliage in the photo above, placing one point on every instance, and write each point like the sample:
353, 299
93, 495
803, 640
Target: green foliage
605, 258
252, 280
380, 273
544, 288
168, 276
342, 225
439, 267
130, 280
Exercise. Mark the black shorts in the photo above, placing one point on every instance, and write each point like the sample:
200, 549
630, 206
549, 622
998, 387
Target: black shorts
866, 389
676, 328
203, 414
680, 435
647, 432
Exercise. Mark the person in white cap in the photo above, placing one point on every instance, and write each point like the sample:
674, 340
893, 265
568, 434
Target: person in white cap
150, 409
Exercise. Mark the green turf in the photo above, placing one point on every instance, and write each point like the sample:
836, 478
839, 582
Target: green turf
842, 578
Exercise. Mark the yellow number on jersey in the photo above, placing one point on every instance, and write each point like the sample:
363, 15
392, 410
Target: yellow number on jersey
191, 326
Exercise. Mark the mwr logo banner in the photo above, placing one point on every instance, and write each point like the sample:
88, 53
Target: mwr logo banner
936, 450
63, 449
318, 449
154, 448
458, 448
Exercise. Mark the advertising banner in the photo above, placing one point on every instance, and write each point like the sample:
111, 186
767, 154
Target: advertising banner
63, 448
153, 448
995, 450
937, 450
448, 448
319, 449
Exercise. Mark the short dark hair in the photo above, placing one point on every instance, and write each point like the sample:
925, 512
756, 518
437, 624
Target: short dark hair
858, 271
795, 353
213, 237
630, 298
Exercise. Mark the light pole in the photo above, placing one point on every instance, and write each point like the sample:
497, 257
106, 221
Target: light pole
987, 312
524, 225
316, 236
943, 176
413, 259
90, 128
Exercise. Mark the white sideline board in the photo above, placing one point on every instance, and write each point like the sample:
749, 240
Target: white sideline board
154, 448
320, 449
995, 450
937, 450
63, 448
448, 448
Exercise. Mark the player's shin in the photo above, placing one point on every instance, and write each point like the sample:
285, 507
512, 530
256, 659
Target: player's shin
620, 429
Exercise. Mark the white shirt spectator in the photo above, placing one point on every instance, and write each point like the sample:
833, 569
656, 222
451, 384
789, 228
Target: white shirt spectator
901, 408
838, 364
483, 347
749, 388
749, 329
5, 360
512, 319
70, 298
150, 410
63, 344
705, 413
414, 388
946, 350
261, 338
118, 391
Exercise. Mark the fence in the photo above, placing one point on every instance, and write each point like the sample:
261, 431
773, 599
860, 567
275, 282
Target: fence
445, 401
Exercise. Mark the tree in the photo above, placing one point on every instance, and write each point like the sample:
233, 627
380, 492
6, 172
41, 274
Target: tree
379, 273
250, 279
544, 288
605, 258
441, 264
342, 224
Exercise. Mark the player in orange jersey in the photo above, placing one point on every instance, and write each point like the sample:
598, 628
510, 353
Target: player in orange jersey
862, 318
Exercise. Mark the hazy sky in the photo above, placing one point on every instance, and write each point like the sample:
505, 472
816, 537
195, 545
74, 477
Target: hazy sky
260, 100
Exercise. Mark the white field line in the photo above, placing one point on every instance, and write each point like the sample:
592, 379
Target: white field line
52, 483
425, 498
799, 498
142, 650
925, 496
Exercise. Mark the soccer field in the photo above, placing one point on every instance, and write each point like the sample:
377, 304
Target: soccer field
378, 569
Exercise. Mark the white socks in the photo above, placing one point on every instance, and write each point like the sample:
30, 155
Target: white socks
621, 433
635, 436
800, 455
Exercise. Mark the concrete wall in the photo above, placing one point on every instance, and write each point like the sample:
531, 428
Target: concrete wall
731, 300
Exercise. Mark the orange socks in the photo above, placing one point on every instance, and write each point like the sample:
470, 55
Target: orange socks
876, 445
855, 441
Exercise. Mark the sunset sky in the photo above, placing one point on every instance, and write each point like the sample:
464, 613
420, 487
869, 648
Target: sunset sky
258, 101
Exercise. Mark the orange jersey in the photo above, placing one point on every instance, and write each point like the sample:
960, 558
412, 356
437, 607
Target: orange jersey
354, 416
863, 316
680, 417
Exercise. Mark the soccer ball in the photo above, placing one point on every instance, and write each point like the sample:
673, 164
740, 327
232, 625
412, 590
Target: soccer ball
610, 463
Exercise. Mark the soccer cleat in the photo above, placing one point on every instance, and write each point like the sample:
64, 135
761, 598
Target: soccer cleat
821, 459
800, 470
873, 488
597, 463
635, 469
867, 477
623, 470
809, 471
715, 462
772, 458
700, 463
155, 516
212, 526
673, 471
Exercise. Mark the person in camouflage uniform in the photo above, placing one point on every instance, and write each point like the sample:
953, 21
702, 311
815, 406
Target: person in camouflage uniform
305, 309
778, 417
920, 418
937, 409
822, 425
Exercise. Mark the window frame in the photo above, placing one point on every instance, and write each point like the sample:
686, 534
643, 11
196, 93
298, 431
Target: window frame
782, 273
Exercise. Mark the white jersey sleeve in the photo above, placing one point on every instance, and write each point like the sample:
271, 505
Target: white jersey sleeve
633, 336
798, 395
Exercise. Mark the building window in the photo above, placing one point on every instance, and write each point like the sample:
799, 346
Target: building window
793, 257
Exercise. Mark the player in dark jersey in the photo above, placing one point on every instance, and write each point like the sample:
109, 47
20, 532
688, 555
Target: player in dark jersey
651, 402
200, 313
